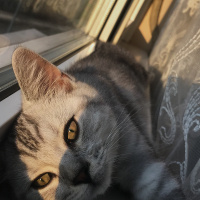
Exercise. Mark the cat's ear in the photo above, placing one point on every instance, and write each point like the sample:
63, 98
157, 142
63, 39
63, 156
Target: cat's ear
36, 76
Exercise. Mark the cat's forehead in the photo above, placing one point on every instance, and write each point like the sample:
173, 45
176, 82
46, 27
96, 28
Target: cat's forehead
62, 103
56, 108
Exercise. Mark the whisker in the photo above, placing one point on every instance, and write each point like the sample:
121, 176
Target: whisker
119, 127
124, 127
116, 121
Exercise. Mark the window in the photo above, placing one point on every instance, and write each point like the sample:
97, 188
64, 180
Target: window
52, 28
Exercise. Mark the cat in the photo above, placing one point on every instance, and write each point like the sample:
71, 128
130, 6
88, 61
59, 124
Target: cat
83, 130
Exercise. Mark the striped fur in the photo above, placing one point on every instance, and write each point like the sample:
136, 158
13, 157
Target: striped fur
107, 94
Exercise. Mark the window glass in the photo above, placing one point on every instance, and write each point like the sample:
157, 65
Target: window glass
52, 28
47, 16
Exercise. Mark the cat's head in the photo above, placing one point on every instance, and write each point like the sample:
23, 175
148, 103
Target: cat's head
60, 146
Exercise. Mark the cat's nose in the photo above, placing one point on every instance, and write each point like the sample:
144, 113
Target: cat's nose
83, 176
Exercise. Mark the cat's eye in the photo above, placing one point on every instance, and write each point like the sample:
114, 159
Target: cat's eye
71, 131
42, 181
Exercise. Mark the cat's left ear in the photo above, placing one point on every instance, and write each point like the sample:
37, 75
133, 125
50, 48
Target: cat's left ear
36, 76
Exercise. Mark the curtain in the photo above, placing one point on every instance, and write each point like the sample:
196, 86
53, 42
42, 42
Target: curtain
175, 94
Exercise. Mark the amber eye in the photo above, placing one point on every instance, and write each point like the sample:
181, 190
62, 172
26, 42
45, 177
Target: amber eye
42, 180
71, 131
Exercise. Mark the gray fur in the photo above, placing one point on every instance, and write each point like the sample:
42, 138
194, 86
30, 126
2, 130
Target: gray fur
107, 93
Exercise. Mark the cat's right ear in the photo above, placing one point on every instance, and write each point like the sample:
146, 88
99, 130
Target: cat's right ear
37, 77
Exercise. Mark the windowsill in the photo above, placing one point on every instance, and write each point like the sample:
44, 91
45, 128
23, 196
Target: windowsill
48, 42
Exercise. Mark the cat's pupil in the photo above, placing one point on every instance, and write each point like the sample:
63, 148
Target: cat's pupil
41, 180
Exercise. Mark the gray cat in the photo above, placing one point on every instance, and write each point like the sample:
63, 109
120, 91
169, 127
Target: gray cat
82, 131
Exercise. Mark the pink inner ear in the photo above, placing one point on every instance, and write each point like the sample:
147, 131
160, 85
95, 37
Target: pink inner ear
54, 75
32, 72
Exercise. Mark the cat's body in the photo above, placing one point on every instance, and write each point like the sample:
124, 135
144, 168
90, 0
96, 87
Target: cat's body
106, 96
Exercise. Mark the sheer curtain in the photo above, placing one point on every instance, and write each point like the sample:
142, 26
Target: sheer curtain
175, 93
